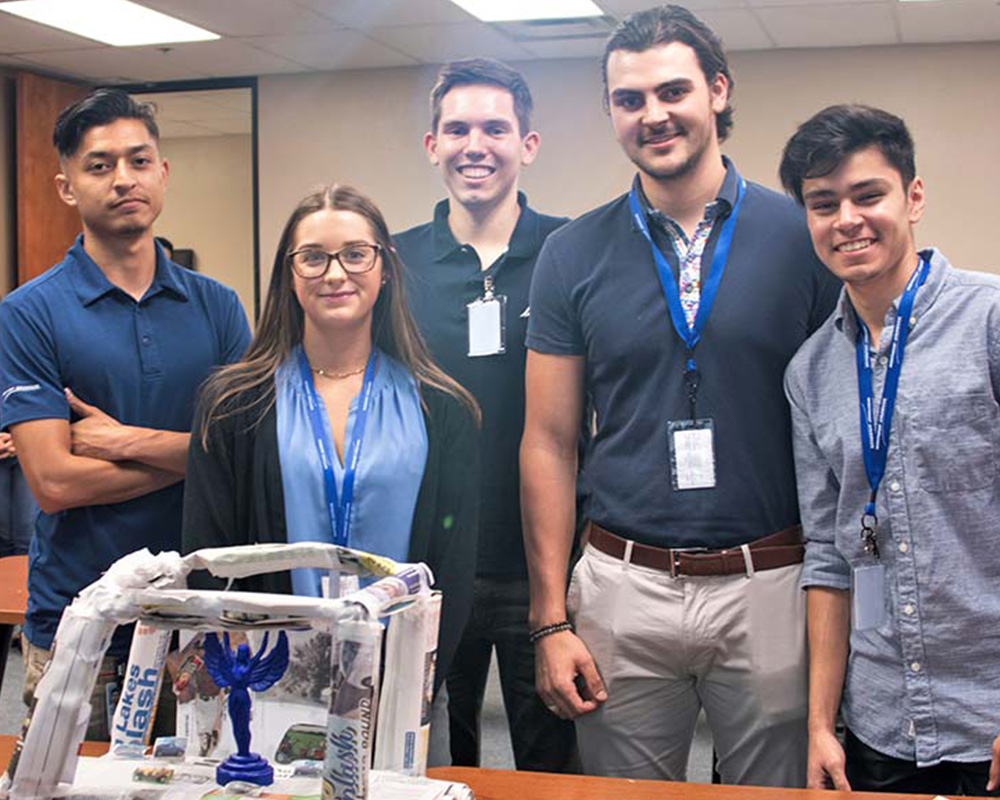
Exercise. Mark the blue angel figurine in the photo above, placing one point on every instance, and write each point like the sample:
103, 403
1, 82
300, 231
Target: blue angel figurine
241, 674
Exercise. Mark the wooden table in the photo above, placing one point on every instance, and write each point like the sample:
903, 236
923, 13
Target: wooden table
496, 784
13, 601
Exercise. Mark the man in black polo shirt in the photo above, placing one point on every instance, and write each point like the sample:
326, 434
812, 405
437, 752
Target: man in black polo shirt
469, 275
675, 309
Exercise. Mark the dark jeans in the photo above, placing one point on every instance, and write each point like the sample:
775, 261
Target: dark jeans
870, 771
540, 740
17, 509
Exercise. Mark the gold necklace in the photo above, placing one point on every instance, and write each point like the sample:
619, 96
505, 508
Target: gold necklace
336, 376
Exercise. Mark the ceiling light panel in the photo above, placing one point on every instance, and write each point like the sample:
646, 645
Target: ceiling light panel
116, 22
510, 10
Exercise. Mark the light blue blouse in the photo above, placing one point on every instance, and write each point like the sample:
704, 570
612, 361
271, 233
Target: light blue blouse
389, 474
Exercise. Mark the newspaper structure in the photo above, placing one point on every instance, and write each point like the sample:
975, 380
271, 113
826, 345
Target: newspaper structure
151, 589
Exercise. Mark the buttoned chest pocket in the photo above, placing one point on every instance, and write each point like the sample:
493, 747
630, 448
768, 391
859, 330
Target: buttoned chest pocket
955, 441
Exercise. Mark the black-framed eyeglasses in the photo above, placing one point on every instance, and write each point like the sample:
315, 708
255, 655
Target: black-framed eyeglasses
311, 262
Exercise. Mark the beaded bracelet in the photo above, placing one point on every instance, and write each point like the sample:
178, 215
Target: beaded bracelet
548, 630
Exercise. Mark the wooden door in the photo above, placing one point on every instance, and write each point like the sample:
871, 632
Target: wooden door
46, 226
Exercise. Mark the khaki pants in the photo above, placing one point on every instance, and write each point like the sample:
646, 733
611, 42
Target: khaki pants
98, 730
668, 647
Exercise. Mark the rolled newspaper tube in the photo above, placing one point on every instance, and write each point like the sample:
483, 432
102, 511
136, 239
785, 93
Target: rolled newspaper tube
404, 714
375, 597
355, 653
133, 720
46, 753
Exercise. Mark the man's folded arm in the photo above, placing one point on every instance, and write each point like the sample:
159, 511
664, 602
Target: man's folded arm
60, 480
99, 435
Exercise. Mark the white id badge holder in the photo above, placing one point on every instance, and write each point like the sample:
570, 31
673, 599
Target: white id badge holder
868, 596
692, 454
487, 325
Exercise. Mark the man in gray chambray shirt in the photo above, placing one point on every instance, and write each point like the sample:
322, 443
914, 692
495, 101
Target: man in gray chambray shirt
897, 445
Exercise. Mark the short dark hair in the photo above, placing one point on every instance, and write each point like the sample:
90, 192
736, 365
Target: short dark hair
100, 107
483, 72
822, 143
666, 24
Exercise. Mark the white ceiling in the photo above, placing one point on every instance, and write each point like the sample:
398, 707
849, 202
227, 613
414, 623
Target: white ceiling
279, 36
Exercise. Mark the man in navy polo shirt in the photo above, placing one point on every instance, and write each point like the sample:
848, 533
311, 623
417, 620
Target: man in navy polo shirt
102, 358
675, 309
469, 273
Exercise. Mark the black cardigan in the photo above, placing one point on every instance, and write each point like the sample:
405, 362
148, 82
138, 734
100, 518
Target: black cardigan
233, 496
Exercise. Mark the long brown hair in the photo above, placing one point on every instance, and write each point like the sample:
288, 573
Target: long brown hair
240, 387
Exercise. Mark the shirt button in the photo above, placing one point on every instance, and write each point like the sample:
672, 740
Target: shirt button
908, 609
883, 360
146, 339
894, 486
903, 547
915, 666
913, 321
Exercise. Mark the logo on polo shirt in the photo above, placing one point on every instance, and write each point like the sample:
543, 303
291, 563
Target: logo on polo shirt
24, 387
525, 313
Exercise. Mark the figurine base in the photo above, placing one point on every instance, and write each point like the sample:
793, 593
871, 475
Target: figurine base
250, 768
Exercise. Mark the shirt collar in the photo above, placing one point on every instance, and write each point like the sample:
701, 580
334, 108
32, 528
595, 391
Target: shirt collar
92, 284
524, 241
726, 197
846, 320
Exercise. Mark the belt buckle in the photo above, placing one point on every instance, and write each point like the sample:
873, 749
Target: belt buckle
674, 552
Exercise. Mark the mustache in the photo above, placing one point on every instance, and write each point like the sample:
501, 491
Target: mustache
660, 131
132, 198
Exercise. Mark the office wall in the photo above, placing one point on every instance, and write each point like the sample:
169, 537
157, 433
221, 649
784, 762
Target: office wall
209, 207
365, 128
8, 200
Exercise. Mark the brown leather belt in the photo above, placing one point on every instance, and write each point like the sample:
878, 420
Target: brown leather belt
780, 549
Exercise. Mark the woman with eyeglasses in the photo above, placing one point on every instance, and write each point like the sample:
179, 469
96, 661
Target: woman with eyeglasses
337, 426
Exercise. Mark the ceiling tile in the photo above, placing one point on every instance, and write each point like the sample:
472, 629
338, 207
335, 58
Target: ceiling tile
434, 44
622, 8
23, 36
226, 101
565, 48
813, 3
738, 29
189, 107
364, 14
230, 57
14, 61
115, 65
952, 22
247, 17
845, 25
342, 49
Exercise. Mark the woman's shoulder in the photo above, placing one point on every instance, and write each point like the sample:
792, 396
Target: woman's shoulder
225, 407
443, 407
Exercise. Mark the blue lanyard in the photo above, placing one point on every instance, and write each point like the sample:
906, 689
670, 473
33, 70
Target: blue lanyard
690, 334
876, 423
338, 508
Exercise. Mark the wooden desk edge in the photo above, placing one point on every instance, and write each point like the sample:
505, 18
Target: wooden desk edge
493, 784
13, 589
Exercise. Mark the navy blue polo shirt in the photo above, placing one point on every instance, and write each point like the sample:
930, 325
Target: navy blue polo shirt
442, 277
142, 363
596, 294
